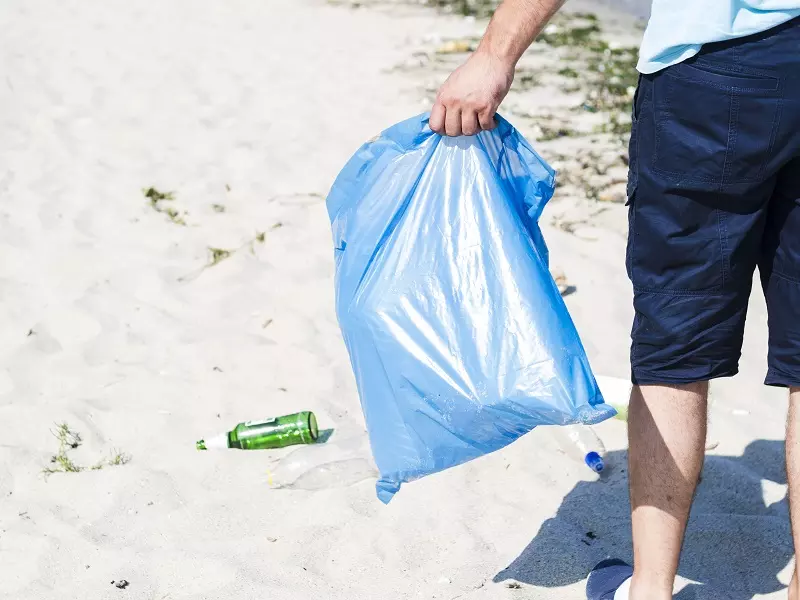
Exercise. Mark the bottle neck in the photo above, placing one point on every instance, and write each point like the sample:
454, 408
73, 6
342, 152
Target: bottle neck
232, 441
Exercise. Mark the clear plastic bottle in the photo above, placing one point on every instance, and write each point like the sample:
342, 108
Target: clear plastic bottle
583, 444
324, 466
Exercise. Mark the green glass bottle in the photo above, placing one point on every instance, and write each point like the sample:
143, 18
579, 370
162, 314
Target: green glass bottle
299, 428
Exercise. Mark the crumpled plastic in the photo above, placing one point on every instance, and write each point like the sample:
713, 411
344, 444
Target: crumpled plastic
459, 339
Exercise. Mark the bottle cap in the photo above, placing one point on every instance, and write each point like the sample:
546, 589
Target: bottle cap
595, 462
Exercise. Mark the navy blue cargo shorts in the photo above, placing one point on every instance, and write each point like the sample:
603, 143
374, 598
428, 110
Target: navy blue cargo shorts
714, 192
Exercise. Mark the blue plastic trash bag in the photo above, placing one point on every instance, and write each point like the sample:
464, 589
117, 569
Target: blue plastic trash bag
458, 336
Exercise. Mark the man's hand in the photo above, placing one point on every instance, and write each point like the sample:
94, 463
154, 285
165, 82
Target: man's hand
468, 100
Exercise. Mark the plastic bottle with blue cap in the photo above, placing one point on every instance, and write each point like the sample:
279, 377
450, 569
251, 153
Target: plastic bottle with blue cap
583, 444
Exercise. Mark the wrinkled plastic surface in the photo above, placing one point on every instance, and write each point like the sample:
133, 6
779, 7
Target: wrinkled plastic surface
323, 466
458, 336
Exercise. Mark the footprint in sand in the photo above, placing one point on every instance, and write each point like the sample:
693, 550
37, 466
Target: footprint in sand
65, 327
20, 556
41, 340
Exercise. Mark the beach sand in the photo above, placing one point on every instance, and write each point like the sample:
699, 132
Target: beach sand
111, 324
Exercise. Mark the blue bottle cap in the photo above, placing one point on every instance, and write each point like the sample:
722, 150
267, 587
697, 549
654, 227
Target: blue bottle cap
595, 462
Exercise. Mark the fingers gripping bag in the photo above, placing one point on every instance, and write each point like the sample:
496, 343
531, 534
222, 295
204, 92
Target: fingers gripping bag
458, 336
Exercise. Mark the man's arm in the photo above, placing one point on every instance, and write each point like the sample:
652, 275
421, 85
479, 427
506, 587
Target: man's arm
468, 100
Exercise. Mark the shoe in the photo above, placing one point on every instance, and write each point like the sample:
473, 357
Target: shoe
606, 578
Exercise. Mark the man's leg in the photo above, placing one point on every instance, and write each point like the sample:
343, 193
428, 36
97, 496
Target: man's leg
667, 434
693, 246
780, 278
704, 163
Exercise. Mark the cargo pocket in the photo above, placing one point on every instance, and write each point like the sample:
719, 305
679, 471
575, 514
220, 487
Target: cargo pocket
715, 123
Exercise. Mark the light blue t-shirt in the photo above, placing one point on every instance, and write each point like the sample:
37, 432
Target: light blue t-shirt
678, 28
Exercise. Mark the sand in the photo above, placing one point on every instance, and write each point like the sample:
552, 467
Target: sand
110, 323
